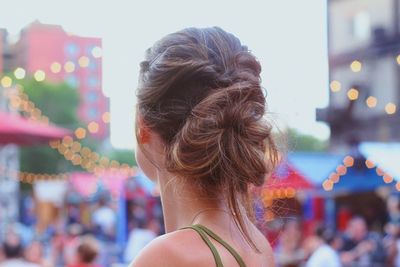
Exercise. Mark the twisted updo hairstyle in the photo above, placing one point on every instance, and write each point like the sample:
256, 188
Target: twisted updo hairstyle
200, 91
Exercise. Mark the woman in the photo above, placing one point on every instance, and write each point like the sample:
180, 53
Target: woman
203, 138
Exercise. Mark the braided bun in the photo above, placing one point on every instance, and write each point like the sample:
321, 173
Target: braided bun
200, 92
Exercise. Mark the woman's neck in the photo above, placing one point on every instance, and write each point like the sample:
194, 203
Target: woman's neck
182, 207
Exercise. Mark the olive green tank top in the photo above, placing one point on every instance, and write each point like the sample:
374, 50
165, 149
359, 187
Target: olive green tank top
205, 233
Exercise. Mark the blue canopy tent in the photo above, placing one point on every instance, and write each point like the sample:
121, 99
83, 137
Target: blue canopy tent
317, 166
384, 155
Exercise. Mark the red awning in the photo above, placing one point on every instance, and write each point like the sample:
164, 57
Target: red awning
286, 176
18, 130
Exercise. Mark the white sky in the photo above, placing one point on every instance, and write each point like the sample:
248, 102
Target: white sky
288, 37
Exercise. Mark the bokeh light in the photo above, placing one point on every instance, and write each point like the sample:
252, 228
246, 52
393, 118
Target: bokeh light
352, 94
106, 117
335, 86
69, 66
19, 73
80, 133
6, 82
39, 75
83, 61
370, 164
327, 185
93, 127
348, 161
387, 178
356, 66
371, 101
390, 108
55, 67
97, 52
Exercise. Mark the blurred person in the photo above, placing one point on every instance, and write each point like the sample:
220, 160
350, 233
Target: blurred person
86, 253
360, 247
70, 242
34, 253
202, 137
13, 252
141, 235
104, 219
393, 209
288, 251
391, 243
321, 247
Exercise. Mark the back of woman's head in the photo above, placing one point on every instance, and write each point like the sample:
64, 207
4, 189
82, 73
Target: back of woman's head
200, 91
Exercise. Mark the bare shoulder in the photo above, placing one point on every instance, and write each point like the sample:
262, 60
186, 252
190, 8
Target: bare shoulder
176, 249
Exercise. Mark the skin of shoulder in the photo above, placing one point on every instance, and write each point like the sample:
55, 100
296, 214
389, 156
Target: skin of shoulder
186, 248
175, 249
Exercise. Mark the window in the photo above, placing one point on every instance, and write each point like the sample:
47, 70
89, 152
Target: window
92, 113
92, 65
92, 97
72, 81
71, 50
93, 81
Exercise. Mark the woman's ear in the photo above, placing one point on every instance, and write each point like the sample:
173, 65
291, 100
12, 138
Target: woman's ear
143, 132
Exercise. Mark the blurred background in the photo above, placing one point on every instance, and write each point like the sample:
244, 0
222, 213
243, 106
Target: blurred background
70, 191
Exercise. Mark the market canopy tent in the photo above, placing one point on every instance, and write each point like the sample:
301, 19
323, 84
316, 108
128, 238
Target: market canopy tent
286, 176
317, 166
385, 155
18, 130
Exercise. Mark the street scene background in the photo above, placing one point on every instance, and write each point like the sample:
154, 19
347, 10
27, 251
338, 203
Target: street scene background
71, 193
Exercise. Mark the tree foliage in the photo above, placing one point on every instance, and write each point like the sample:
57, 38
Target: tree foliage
304, 142
59, 102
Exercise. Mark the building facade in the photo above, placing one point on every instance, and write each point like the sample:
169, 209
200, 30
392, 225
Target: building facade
50, 52
364, 72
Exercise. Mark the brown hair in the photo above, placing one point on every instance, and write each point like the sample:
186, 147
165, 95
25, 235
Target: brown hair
200, 91
88, 249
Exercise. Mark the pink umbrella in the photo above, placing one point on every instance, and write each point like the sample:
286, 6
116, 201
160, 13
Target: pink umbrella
18, 130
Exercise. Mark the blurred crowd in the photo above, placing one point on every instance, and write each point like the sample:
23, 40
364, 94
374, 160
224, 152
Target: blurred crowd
355, 246
76, 241
79, 240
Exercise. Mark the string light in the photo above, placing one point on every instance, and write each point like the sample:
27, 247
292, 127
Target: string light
39, 75
96, 52
398, 186
387, 178
327, 185
369, 164
106, 117
83, 61
6, 82
334, 177
379, 172
356, 66
352, 94
335, 86
93, 127
76, 147
390, 108
55, 67
371, 101
80, 133
348, 161
19, 73
341, 170
69, 66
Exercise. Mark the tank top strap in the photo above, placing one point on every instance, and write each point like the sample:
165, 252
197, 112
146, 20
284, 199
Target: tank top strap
204, 232
205, 238
223, 243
